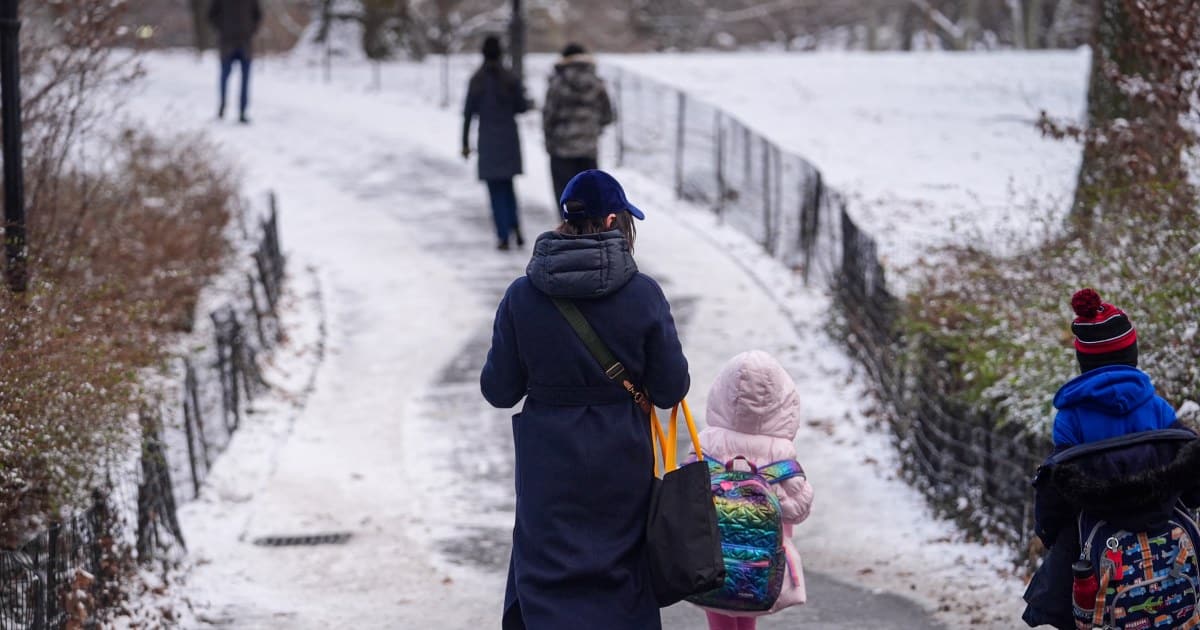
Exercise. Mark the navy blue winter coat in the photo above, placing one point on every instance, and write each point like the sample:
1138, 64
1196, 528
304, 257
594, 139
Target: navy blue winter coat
495, 96
1132, 481
1108, 402
584, 467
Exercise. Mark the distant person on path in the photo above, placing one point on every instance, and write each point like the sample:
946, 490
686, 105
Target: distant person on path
495, 96
1135, 483
576, 111
584, 465
236, 22
754, 412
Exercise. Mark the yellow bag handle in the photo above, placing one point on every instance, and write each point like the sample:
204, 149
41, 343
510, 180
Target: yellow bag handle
670, 456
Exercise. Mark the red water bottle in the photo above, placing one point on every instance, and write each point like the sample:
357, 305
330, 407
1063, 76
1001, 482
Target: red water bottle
1083, 593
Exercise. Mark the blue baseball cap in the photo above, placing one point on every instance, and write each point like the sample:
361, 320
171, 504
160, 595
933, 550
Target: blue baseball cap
600, 194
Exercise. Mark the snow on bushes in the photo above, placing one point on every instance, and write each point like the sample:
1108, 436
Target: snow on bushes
124, 230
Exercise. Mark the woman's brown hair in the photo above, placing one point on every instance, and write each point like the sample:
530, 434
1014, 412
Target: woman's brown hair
596, 225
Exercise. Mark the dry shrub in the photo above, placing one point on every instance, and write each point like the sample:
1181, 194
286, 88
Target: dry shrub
119, 248
1002, 325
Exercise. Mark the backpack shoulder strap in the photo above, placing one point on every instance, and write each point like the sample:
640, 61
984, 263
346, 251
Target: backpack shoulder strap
782, 470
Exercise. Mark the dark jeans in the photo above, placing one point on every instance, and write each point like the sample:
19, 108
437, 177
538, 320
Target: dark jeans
242, 57
504, 207
563, 169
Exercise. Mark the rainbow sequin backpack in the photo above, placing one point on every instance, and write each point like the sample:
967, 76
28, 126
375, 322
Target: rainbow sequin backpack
751, 525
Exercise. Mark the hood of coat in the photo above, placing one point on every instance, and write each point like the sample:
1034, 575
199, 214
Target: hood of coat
755, 395
579, 73
1115, 390
1139, 482
581, 267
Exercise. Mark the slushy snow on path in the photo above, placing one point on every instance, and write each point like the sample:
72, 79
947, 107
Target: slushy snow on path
396, 446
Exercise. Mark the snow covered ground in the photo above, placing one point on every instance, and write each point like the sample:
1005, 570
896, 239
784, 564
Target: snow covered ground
393, 443
929, 147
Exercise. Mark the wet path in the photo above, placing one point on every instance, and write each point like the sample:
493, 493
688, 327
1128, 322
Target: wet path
397, 447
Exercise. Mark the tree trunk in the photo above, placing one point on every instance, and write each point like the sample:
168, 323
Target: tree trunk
1107, 181
970, 25
1062, 9
202, 36
873, 20
1018, 23
1033, 24
908, 20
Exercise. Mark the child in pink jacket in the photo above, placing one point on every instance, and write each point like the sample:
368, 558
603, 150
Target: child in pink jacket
754, 411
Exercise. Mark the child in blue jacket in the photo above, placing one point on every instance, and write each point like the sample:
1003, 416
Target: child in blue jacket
1110, 398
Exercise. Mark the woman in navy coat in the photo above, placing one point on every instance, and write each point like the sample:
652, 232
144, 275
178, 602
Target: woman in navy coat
584, 467
495, 96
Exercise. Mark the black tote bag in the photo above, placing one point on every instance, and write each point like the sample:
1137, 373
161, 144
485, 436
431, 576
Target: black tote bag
683, 544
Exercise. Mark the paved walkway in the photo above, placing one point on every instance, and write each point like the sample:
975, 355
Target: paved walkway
395, 445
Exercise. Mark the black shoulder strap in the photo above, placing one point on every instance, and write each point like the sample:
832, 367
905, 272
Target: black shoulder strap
613, 368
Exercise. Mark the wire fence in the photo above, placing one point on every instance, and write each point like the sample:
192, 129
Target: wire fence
968, 467
713, 159
62, 576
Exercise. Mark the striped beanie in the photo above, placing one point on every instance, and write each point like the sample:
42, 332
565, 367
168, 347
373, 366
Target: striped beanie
1103, 333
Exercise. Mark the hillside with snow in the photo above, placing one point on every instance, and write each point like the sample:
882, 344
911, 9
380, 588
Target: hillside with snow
930, 148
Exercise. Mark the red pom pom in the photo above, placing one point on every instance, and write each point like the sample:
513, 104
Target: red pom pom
1086, 303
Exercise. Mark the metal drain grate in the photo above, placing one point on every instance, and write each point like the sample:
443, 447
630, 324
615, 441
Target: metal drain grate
309, 540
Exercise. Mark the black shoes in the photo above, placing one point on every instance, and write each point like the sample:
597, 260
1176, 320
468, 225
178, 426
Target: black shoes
520, 238
503, 246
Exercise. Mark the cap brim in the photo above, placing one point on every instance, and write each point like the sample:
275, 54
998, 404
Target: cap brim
637, 214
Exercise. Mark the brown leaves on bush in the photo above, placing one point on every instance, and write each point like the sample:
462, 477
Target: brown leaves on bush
118, 261
119, 249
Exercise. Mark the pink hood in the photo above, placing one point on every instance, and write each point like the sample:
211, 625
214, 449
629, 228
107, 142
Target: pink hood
754, 395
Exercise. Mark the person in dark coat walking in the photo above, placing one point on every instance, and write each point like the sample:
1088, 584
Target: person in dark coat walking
576, 111
236, 22
495, 95
1110, 401
584, 466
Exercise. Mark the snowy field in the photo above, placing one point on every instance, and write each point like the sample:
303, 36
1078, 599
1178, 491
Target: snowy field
393, 443
930, 148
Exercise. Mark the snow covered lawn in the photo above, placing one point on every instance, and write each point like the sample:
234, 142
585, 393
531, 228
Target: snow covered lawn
929, 147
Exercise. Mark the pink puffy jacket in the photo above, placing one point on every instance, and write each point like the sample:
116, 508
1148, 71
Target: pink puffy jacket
754, 411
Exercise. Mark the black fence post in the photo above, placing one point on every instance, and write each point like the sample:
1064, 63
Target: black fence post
39, 601
189, 385
768, 228
719, 160
52, 558
680, 132
98, 520
258, 314
620, 89
237, 350
14, 177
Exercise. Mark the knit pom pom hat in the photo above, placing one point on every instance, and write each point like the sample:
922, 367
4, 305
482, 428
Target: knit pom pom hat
1103, 333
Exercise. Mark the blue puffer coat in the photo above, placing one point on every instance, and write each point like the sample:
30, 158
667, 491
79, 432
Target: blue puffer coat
584, 467
1108, 402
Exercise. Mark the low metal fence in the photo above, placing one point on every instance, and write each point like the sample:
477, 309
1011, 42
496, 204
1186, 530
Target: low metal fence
969, 467
64, 574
